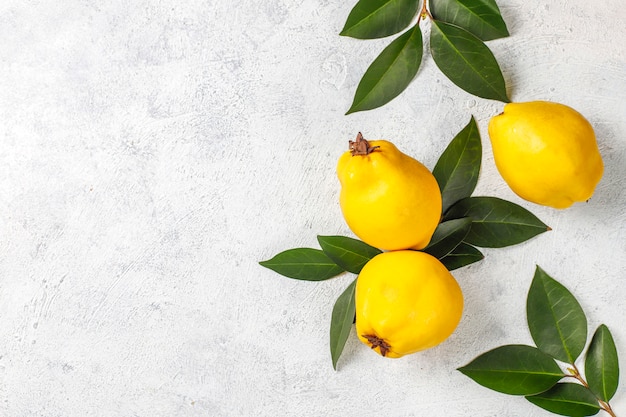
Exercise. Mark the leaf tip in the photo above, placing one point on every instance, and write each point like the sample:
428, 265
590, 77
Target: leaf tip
355, 107
464, 371
345, 30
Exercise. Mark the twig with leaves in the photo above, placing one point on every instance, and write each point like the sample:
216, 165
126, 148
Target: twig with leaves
558, 326
458, 31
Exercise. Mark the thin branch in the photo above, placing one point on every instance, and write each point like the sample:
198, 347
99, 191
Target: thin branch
575, 373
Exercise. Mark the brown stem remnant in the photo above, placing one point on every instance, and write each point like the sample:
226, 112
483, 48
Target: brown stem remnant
424, 12
360, 146
377, 342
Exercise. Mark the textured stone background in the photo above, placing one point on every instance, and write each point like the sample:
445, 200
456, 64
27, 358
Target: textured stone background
152, 152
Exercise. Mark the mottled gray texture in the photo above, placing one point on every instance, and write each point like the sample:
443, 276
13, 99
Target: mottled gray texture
151, 153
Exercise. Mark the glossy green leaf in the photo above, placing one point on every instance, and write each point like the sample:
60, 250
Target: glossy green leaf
602, 365
341, 322
461, 256
467, 61
567, 399
458, 166
496, 223
370, 19
350, 254
556, 321
514, 369
480, 17
390, 73
448, 235
303, 263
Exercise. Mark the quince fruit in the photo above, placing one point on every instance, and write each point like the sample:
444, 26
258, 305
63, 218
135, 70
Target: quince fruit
406, 301
389, 199
546, 152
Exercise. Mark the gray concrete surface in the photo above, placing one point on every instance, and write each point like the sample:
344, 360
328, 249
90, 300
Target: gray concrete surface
152, 152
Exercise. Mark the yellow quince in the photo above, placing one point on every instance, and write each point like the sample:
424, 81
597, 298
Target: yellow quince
546, 152
389, 199
406, 301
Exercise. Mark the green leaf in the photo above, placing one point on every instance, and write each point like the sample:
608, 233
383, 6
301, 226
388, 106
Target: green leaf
567, 399
350, 254
480, 17
496, 223
556, 321
448, 235
371, 19
303, 263
462, 255
514, 369
467, 61
458, 166
602, 365
341, 322
390, 73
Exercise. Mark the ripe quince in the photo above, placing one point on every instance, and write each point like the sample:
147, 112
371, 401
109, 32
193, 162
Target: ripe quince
406, 301
546, 152
389, 199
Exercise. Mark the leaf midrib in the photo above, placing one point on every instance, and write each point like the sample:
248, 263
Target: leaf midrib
356, 254
297, 263
458, 161
471, 11
505, 222
367, 17
502, 371
343, 321
602, 367
568, 401
556, 323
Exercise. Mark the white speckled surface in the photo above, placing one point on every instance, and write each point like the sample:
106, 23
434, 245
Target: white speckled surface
151, 153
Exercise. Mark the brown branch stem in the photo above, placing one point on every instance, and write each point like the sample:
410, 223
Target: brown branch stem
604, 405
